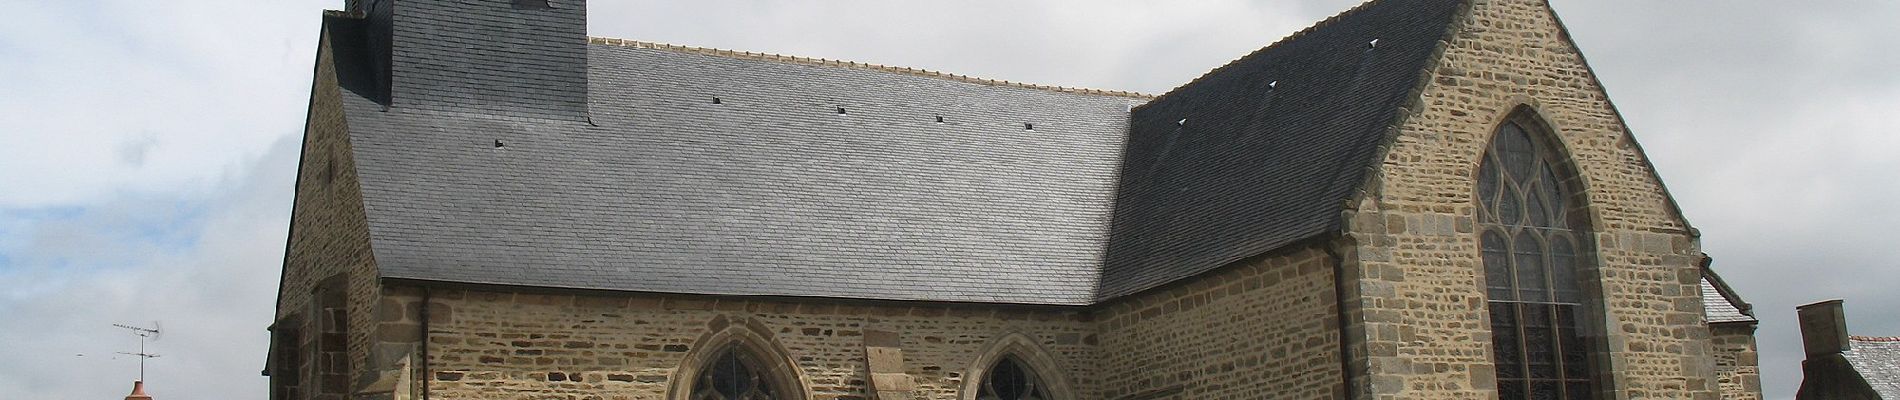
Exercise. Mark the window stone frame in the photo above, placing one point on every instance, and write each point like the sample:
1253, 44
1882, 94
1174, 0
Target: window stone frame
1026, 351
1546, 136
747, 335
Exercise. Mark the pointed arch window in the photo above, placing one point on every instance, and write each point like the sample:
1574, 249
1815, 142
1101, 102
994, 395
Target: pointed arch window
735, 374
1010, 379
1531, 244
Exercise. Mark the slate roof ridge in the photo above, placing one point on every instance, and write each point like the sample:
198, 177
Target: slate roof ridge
790, 59
1284, 40
1859, 338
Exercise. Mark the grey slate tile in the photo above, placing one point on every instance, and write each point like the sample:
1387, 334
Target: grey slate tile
772, 192
1717, 308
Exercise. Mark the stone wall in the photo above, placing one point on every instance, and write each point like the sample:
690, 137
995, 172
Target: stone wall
1737, 365
1265, 328
329, 242
1416, 258
497, 344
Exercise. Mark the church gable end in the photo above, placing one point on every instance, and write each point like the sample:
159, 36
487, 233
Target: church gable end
328, 280
1506, 62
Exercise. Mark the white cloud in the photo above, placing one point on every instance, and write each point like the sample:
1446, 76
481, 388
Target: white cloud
125, 95
213, 296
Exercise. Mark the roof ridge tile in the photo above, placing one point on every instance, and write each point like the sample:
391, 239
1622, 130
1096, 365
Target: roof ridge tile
790, 59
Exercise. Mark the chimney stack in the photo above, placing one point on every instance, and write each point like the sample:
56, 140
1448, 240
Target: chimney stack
1823, 328
138, 392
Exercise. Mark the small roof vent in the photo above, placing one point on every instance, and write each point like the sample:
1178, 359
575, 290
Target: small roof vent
534, 5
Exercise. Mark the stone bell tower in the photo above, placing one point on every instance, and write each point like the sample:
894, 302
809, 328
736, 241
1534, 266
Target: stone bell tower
525, 58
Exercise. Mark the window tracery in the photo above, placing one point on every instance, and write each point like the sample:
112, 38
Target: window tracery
734, 374
1531, 256
1011, 380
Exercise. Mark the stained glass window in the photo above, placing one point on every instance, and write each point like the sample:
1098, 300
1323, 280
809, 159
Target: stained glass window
733, 375
1531, 257
1010, 380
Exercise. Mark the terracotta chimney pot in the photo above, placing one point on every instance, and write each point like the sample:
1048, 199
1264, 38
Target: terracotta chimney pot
138, 392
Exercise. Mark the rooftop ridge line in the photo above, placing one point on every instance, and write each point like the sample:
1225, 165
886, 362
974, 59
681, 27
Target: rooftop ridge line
1329, 21
747, 55
1874, 338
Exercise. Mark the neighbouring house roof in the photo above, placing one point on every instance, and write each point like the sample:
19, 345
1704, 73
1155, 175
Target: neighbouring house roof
1877, 359
712, 172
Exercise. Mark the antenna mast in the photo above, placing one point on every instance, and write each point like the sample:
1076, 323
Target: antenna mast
144, 333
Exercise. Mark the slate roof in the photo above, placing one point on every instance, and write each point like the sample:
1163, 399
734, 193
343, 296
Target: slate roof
1877, 359
1718, 309
822, 180
1720, 303
1265, 151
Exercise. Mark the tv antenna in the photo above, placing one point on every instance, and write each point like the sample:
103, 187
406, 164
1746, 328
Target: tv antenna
144, 334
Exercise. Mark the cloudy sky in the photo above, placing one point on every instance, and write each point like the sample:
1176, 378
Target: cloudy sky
148, 146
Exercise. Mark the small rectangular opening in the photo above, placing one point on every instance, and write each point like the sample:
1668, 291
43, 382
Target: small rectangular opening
534, 5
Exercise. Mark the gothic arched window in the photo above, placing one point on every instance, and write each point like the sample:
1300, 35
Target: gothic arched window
735, 374
1532, 253
1009, 379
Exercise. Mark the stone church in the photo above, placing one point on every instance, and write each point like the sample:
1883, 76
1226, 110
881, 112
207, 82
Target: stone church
1411, 199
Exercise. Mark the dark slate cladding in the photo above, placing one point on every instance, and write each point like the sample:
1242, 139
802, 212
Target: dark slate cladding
1272, 144
768, 192
489, 56
354, 54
